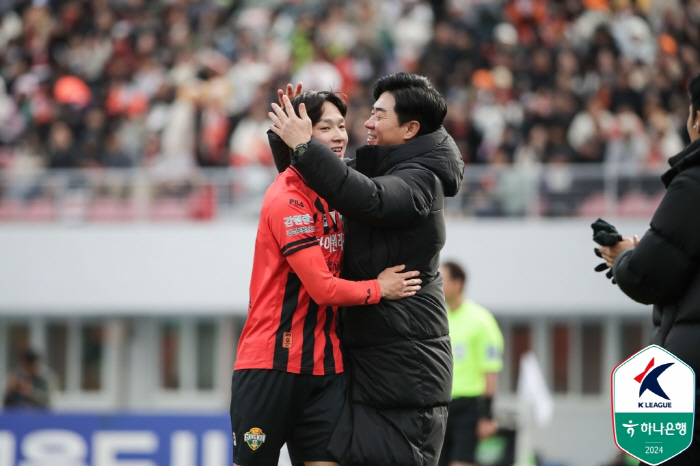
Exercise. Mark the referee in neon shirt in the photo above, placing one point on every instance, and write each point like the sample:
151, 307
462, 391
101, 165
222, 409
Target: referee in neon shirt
477, 349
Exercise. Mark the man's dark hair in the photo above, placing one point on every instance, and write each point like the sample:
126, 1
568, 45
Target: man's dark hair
456, 272
416, 99
314, 103
694, 93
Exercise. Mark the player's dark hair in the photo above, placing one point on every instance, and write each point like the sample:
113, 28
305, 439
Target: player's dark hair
694, 94
416, 99
314, 101
456, 272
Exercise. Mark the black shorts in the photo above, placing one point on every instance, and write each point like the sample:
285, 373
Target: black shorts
368, 436
270, 408
460, 436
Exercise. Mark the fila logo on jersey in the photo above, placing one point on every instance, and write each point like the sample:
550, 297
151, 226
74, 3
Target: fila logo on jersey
296, 203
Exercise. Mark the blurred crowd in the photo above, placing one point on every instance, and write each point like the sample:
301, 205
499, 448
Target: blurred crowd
173, 85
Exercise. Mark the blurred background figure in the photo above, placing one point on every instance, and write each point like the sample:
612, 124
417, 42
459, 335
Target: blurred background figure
477, 351
27, 387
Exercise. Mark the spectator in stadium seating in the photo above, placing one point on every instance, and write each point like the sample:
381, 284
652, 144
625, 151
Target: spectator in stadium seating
392, 199
63, 151
628, 145
288, 385
477, 350
665, 140
588, 127
248, 145
663, 268
113, 155
27, 387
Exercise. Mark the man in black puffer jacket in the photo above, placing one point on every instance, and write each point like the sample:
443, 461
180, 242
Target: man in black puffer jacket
663, 268
399, 361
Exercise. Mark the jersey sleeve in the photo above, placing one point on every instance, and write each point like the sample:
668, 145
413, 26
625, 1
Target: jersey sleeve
492, 345
326, 289
293, 226
292, 223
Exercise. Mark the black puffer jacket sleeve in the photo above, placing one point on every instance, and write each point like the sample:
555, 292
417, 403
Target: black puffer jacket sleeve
660, 268
280, 151
395, 200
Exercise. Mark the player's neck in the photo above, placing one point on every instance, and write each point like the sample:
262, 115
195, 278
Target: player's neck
454, 303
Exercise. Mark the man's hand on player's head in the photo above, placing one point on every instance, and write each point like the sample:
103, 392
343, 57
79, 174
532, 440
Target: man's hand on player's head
293, 129
396, 284
290, 92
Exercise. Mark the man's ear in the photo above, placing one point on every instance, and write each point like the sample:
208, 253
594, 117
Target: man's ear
411, 130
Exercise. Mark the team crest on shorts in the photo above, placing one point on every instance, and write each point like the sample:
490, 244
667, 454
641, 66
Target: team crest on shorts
254, 438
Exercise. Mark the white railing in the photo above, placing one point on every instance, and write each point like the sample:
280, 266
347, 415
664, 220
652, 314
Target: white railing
132, 195
141, 195
558, 190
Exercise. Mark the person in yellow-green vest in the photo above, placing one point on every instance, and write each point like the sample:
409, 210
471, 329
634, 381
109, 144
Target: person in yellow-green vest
477, 349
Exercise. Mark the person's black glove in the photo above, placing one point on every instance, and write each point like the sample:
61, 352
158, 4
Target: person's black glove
605, 234
603, 266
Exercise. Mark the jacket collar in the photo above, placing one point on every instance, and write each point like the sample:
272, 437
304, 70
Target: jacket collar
377, 160
688, 157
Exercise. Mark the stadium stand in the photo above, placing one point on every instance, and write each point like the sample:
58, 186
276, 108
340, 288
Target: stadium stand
174, 86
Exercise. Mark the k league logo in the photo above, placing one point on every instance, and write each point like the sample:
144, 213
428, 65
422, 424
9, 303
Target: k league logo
650, 381
653, 404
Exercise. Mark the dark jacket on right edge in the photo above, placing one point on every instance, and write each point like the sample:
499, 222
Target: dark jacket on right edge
664, 268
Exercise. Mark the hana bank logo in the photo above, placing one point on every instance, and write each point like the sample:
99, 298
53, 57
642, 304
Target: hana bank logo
649, 380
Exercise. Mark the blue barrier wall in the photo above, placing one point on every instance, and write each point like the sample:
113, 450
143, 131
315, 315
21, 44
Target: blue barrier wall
42, 439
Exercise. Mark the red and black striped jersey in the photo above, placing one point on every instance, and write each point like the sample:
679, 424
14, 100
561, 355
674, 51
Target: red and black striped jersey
294, 288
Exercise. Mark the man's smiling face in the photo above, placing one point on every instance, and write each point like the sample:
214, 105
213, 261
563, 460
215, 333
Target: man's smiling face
383, 127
